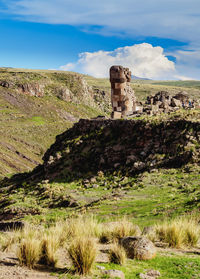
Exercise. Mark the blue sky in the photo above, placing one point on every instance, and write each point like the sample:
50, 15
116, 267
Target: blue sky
158, 39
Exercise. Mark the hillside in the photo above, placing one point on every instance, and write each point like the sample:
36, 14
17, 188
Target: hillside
98, 162
34, 108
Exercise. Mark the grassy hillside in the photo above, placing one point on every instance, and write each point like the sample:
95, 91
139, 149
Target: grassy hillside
29, 124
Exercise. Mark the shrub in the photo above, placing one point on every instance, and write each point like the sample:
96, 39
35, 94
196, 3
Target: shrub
117, 254
82, 252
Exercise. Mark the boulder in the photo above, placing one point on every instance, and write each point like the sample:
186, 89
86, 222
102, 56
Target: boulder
151, 274
176, 103
113, 273
64, 94
5, 84
139, 248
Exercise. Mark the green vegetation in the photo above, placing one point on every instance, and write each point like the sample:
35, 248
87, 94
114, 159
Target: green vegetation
62, 202
29, 124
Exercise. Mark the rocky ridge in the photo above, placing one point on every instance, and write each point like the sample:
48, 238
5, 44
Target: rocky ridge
127, 146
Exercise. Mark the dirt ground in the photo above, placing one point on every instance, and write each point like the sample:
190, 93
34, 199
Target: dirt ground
10, 268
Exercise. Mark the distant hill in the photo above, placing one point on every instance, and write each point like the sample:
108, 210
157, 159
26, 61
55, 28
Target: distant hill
139, 78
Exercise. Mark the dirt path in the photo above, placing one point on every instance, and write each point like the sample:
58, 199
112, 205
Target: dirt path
10, 269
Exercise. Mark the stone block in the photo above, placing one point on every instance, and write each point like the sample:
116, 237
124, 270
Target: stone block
120, 85
116, 115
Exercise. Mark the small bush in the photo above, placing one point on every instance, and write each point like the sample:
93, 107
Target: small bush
83, 252
117, 254
29, 252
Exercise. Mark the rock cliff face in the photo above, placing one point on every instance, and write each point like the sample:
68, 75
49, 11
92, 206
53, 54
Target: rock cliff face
121, 145
69, 87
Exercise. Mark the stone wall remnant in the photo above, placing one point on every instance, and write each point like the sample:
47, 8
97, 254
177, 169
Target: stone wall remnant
122, 96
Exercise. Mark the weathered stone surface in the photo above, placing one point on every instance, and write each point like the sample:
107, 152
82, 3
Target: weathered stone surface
122, 96
163, 102
116, 115
139, 248
64, 94
150, 274
32, 89
176, 103
5, 84
113, 273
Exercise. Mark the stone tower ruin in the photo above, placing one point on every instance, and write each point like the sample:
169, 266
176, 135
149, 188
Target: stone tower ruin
122, 96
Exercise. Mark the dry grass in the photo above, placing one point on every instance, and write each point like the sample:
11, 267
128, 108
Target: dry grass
117, 254
83, 252
29, 251
116, 230
77, 227
9, 239
49, 249
180, 232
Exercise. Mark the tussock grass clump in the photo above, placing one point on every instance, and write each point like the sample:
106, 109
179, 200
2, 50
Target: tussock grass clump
29, 252
117, 254
8, 240
180, 232
29, 248
116, 230
83, 252
49, 248
77, 227
83, 225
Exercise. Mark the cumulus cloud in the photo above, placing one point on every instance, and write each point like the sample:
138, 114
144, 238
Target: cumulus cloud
143, 60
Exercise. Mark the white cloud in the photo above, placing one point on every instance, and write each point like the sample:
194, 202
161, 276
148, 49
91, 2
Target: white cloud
67, 67
187, 63
176, 19
143, 60
172, 19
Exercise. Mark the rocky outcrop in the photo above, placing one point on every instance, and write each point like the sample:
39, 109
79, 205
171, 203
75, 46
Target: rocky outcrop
164, 102
129, 146
69, 87
32, 89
